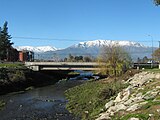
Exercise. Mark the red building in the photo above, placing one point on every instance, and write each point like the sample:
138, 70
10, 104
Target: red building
26, 55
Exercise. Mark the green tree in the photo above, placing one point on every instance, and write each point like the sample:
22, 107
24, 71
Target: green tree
113, 60
157, 2
156, 54
5, 42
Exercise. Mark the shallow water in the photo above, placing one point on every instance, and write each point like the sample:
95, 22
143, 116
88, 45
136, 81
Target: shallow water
45, 103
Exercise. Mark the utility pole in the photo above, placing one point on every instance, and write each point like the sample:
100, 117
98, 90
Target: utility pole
152, 51
159, 44
0, 32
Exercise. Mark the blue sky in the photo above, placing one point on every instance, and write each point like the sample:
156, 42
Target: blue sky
80, 20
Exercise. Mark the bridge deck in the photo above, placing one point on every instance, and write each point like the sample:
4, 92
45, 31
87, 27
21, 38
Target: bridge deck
36, 66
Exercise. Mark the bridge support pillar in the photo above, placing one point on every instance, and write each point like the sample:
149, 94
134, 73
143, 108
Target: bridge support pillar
35, 68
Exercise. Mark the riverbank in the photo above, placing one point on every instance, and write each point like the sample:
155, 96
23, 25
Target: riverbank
88, 100
139, 101
128, 98
19, 78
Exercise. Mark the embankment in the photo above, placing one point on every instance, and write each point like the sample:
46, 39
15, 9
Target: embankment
18, 79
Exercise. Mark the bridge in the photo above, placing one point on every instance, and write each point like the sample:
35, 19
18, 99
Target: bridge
43, 66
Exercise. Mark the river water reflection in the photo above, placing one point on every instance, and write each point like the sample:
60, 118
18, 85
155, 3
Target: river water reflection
45, 103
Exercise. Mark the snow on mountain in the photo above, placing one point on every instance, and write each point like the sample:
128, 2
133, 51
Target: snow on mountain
93, 48
101, 43
39, 49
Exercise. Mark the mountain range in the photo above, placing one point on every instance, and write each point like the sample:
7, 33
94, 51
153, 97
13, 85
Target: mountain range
89, 48
40, 49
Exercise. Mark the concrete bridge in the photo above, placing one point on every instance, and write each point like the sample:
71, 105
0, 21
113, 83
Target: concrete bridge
43, 66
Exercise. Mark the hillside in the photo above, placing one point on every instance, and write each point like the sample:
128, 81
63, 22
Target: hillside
139, 101
130, 97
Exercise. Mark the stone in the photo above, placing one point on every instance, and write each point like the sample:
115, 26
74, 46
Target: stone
118, 98
109, 104
117, 108
134, 119
104, 116
133, 107
150, 95
158, 87
158, 110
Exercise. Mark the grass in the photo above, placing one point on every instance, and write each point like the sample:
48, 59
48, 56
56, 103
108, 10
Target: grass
139, 115
2, 104
89, 99
156, 70
12, 65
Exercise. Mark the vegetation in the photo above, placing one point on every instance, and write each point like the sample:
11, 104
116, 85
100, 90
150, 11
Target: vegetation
156, 70
156, 54
113, 60
87, 100
157, 2
2, 103
12, 65
5, 42
72, 58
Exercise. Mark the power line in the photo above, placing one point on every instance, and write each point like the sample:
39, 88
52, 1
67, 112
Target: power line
36, 38
64, 39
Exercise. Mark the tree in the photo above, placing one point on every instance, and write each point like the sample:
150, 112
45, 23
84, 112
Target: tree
157, 2
113, 60
145, 59
88, 59
5, 42
156, 54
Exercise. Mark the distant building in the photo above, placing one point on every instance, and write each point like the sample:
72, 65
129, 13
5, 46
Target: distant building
26, 55
12, 55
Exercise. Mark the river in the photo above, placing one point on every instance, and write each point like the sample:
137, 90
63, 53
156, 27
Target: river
44, 103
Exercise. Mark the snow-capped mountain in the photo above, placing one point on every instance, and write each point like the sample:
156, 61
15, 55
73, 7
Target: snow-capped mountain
93, 48
40, 49
101, 43
89, 48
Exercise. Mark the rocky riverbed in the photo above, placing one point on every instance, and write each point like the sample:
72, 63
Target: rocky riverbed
139, 101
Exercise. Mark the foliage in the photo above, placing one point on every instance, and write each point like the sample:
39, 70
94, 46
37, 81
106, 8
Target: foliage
5, 42
155, 70
113, 60
12, 65
87, 100
77, 58
18, 76
157, 2
3, 74
156, 54
2, 104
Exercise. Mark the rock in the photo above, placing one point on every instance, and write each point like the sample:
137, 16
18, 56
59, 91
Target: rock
151, 95
150, 115
158, 87
109, 104
158, 110
118, 98
133, 119
130, 99
139, 95
133, 107
136, 106
128, 102
117, 108
104, 116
